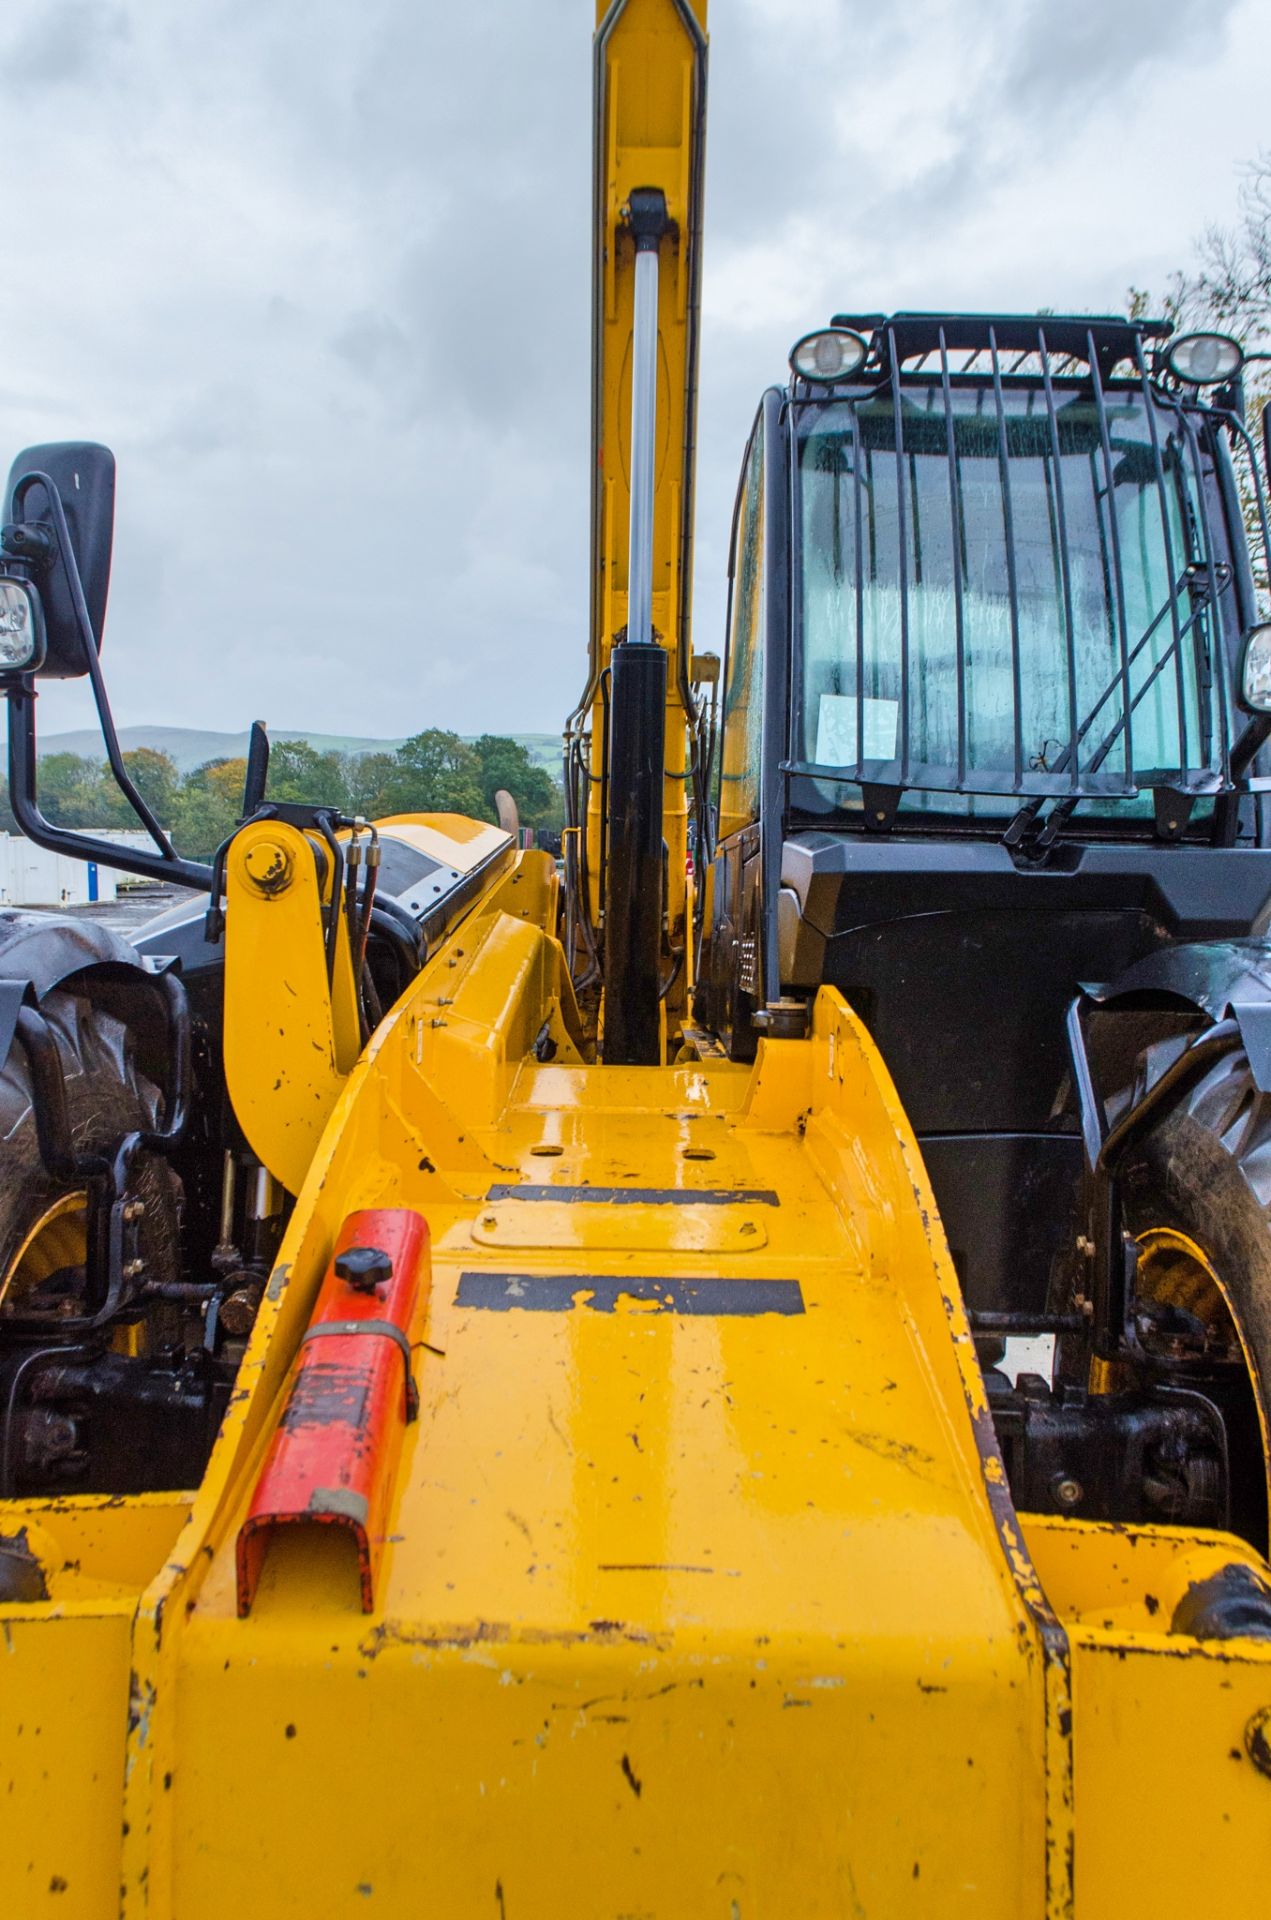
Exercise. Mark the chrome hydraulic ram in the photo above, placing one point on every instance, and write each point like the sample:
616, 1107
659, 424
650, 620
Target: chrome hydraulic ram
637, 707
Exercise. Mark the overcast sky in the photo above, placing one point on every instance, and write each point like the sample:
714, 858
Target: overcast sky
319, 274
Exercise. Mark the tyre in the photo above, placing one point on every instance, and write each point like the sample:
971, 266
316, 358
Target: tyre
42, 1223
1196, 1195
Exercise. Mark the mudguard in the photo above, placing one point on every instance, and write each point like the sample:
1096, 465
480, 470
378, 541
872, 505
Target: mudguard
1218, 978
39, 951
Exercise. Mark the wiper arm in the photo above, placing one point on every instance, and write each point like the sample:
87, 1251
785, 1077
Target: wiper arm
1018, 828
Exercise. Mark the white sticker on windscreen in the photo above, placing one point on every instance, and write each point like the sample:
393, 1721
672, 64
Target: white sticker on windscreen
836, 744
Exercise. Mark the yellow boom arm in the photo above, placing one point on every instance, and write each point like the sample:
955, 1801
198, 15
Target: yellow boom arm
649, 134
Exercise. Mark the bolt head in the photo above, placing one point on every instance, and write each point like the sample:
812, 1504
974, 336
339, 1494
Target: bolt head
268, 866
238, 1310
1068, 1492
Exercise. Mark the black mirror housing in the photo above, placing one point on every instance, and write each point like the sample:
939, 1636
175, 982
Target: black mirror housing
83, 474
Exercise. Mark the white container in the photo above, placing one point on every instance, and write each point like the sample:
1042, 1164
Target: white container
31, 876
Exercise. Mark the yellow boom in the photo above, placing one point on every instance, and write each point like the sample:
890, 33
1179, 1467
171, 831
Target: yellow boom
650, 87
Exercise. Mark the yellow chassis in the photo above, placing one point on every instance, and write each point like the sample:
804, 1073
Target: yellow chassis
691, 1602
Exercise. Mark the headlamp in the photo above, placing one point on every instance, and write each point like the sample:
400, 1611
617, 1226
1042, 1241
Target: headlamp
1255, 670
21, 627
1202, 359
835, 353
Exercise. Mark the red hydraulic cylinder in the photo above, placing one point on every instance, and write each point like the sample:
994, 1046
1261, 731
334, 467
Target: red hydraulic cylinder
334, 1457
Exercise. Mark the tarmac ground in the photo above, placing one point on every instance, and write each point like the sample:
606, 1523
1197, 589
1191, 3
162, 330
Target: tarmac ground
131, 910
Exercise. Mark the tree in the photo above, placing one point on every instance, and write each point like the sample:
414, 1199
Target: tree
77, 792
1229, 291
437, 772
156, 779
433, 772
1231, 287
208, 808
299, 773
374, 784
507, 764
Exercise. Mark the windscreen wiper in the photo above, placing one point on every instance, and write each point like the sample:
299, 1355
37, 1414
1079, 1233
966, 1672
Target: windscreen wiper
1198, 583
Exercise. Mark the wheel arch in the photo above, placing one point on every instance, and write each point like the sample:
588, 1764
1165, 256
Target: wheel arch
43, 952
1216, 979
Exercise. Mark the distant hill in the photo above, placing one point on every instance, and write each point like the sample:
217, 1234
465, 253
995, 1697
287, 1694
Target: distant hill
191, 747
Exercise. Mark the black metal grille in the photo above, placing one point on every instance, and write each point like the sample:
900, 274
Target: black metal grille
1021, 398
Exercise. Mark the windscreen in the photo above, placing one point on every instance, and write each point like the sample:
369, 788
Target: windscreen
994, 596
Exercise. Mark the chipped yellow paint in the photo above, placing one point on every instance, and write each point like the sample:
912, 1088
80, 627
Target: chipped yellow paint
65, 1697
639, 1557
1161, 1750
677, 1610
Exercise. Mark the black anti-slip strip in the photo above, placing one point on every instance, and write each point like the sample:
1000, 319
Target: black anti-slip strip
645, 1196
563, 1292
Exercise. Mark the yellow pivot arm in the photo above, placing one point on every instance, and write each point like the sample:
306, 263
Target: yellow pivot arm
291, 1033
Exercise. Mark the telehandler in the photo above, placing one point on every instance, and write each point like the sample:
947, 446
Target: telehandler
510, 1401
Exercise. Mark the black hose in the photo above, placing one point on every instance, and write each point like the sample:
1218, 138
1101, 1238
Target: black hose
370, 884
351, 923
370, 995
322, 821
399, 933
176, 1108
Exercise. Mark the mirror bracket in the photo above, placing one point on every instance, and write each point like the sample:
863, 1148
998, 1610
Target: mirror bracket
165, 863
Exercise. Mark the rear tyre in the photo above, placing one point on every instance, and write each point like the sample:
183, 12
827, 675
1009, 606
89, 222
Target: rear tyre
42, 1221
1197, 1197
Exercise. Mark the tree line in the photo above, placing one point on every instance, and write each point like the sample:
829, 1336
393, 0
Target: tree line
1228, 289
433, 772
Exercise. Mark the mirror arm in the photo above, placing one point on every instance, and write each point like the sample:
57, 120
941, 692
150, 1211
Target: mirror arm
1252, 737
24, 804
88, 641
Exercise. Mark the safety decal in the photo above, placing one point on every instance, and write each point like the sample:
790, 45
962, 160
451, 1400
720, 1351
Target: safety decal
603, 1293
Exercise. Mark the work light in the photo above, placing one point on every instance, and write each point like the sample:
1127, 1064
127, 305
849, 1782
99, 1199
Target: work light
1201, 359
833, 354
1255, 670
21, 627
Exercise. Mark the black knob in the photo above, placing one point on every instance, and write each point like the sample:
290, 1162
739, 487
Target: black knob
364, 1267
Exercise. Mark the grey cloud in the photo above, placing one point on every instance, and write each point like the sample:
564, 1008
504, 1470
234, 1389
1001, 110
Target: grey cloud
69, 41
1100, 46
376, 347
320, 274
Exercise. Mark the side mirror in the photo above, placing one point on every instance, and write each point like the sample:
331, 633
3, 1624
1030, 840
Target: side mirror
82, 475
